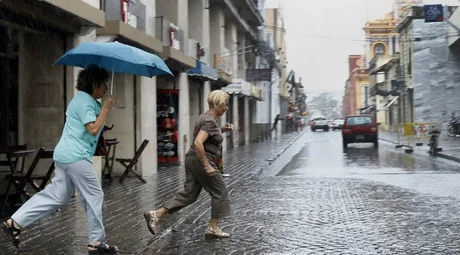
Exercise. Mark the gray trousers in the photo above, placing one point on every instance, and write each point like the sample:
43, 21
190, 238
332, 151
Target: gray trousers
196, 179
79, 175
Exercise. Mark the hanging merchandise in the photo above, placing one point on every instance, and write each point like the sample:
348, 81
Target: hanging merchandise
167, 121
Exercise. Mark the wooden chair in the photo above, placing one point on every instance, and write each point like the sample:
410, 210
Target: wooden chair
130, 163
46, 154
20, 180
109, 159
10, 162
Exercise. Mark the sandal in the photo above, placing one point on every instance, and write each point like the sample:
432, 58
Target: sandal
103, 248
151, 220
13, 232
216, 233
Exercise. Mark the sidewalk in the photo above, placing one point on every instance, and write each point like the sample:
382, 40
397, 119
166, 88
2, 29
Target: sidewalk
65, 232
450, 146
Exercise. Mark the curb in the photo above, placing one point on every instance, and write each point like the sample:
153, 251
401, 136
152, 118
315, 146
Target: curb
448, 157
439, 154
272, 159
285, 148
390, 141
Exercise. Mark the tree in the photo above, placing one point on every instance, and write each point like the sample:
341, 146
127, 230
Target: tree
326, 105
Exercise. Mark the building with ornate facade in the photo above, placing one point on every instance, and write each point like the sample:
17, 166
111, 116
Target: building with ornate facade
381, 43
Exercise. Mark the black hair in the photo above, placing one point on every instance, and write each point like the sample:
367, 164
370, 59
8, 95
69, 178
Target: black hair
91, 78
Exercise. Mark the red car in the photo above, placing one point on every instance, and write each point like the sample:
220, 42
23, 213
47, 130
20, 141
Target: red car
360, 129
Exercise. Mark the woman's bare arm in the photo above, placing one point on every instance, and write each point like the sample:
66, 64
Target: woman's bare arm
94, 127
199, 147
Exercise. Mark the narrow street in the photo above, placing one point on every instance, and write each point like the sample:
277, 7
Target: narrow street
327, 201
314, 198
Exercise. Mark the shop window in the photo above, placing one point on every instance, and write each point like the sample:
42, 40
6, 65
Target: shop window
167, 125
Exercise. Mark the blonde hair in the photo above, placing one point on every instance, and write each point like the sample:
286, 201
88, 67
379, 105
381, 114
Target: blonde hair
217, 98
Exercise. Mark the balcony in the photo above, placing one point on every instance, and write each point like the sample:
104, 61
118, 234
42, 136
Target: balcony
65, 15
265, 48
249, 10
224, 65
174, 50
235, 12
126, 23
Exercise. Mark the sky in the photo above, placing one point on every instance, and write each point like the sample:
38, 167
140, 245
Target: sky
320, 34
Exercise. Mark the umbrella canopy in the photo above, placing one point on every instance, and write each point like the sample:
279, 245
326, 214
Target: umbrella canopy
115, 57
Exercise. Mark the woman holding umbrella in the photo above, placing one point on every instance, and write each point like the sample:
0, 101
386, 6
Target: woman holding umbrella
73, 160
202, 168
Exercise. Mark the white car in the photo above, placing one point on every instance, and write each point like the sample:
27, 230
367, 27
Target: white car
337, 124
319, 123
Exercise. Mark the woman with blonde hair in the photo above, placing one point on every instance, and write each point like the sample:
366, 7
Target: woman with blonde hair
202, 168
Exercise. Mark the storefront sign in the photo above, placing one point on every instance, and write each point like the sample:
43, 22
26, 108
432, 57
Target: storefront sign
258, 74
126, 16
223, 65
238, 86
124, 10
255, 92
174, 36
434, 13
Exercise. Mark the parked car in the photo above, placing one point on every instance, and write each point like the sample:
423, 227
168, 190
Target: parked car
319, 123
337, 124
360, 129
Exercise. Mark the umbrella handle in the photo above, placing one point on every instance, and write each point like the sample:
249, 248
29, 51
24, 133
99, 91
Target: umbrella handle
111, 85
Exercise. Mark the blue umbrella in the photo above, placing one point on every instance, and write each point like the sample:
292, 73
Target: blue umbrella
115, 57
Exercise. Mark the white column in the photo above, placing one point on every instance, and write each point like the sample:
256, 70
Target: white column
242, 41
182, 20
223, 121
206, 91
206, 38
147, 124
150, 12
247, 125
234, 47
368, 52
184, 116
236, 131
390, 50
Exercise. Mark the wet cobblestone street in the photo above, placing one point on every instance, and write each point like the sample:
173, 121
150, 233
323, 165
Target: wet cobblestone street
323, 200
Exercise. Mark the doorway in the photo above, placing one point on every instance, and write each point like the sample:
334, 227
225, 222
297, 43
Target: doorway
9, 66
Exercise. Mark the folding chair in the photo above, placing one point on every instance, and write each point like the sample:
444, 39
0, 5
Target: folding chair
46, 154
10, 162
20, 180
130, 163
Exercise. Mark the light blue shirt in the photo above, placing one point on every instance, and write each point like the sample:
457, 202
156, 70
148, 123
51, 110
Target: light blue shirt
76, 142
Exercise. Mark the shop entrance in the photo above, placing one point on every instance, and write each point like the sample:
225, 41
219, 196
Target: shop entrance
8, 86
167, 121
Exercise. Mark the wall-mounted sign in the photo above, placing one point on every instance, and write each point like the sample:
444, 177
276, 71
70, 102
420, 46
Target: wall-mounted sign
223, 65
239, 86
434, 13
124, 10
394, 85
258, 74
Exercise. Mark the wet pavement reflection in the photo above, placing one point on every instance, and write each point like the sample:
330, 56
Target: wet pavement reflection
328, 200
316, 198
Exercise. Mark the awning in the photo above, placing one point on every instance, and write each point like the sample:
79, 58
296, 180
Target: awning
238, 86
120, 31
203, 70
391, 102
65, 15
366, 108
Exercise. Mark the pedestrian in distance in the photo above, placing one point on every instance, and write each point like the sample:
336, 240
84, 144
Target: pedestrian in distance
73, 164
203, 169
275, 125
